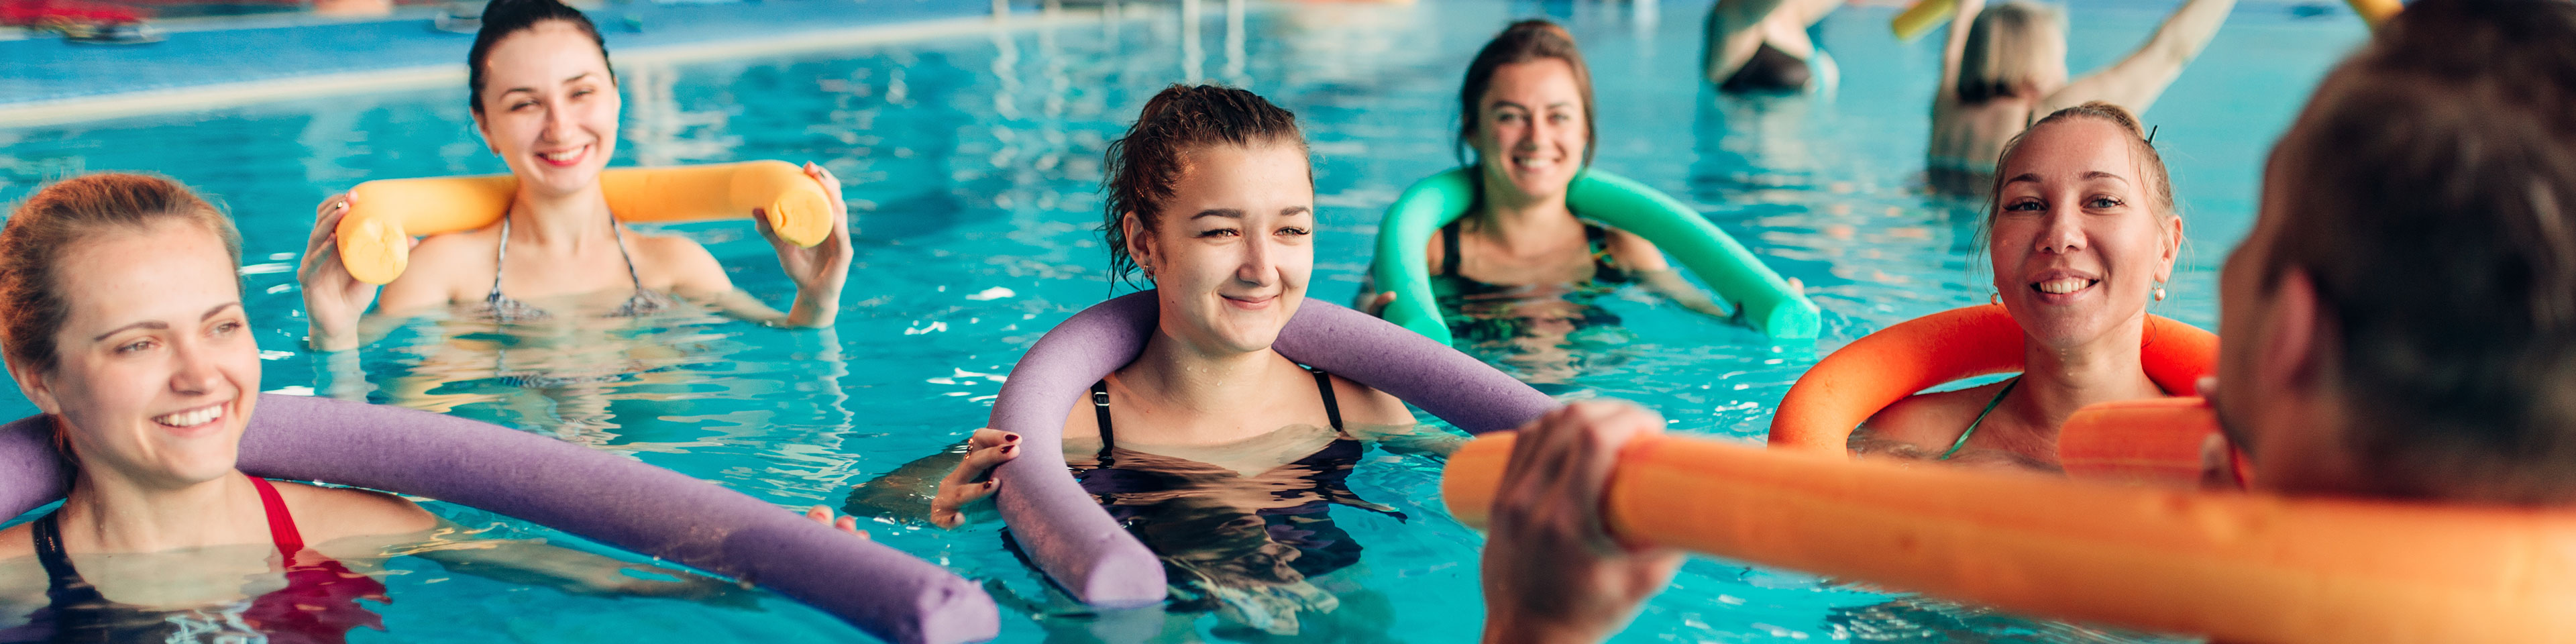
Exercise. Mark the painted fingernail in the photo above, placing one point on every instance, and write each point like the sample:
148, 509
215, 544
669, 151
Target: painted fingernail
1007, 449
1010, 438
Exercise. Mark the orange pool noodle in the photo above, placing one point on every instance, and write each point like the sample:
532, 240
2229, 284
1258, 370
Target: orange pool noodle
2156, 441
1869, 374
2237, 567
375, 237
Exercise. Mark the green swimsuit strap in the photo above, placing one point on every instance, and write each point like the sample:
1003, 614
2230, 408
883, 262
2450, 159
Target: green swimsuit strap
1981, 418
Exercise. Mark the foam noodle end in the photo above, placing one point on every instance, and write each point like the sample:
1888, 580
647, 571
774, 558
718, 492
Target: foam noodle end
375, 251
2155, 441
1474, 474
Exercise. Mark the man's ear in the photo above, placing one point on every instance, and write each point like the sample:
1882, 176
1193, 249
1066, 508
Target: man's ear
2298, 337
36, 384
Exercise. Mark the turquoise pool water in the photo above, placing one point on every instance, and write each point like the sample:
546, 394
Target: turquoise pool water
972, 165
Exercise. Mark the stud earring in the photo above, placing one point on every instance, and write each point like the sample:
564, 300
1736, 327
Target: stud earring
2160, 293
1996, 297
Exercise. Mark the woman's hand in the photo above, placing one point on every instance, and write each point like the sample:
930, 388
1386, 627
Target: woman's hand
973, 479
333, 299
819, 271
823, 515
1552, 573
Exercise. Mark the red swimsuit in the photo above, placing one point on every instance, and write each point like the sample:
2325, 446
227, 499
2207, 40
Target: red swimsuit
318, 605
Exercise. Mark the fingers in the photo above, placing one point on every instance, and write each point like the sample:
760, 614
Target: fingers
989, 437
981, 461
326, 224
823, 515
1560, 469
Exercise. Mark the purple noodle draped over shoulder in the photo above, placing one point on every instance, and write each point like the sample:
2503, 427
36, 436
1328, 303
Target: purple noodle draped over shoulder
1076, 543
599, 495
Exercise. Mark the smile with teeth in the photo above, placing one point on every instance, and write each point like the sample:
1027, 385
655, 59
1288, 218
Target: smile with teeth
193, 417
1534, 164
2063, 286
565, 155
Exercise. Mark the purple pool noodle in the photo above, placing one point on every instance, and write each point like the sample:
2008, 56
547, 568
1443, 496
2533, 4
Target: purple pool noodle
598, 495
1076, 543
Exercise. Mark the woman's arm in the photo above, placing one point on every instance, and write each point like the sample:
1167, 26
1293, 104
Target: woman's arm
1954, 47
1641, 258
910, 491
1731, 35
2135, 82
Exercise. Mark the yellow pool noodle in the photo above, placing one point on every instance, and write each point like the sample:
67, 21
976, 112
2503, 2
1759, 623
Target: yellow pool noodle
1923, 15
375, 237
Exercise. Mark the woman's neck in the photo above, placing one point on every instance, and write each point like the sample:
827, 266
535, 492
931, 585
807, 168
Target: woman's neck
121, 514
1200, 382
2057, 381
561, 223
1510, 215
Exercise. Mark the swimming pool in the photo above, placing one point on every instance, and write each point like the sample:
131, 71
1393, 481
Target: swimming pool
972, 166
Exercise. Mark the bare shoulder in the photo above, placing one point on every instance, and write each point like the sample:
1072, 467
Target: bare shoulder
1929, 420
323, 514
1361, 404
1634, 251
673, 262
17, 542
441, 267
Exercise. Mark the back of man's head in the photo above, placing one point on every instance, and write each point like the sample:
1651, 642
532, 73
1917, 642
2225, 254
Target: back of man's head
2429, 192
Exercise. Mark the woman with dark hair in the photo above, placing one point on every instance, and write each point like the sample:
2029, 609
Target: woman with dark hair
1212, 448
545, 99
2004, 66
1526, 111
121, 318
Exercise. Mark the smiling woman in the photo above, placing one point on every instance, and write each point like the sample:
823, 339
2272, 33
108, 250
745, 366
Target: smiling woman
121, 318
546, 101
2082, 234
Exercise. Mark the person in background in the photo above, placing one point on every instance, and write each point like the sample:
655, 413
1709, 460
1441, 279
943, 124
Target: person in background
2429, 187
2004, 65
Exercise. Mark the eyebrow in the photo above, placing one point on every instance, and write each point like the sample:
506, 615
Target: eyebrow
160, 325
1498, 104
2033, 177
533, 90
2097, 174
1229, 213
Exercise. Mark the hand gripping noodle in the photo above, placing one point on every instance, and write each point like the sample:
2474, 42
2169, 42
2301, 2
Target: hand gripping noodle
2235, 567
1924, 15
1869, 374
601, 496
1733, 272
375, 237
1088, 554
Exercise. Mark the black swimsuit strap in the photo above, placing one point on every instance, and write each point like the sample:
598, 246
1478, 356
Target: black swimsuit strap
1109, 440
64, 585
1332, 407
1100, 407
1449, 250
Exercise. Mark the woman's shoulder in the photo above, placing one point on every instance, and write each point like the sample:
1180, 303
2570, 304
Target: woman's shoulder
17, 542
323, 514
680, 262
1362, 404
1929, 419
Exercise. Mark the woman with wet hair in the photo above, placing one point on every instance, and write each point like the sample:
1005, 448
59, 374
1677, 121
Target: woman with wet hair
1526, 112
121, 318
1217, 452
2082, 235
2003, 66
545, 99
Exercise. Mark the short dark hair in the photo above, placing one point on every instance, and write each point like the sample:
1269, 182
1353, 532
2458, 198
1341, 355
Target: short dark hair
1523, 42
1144, 165
2432, 200
501, 18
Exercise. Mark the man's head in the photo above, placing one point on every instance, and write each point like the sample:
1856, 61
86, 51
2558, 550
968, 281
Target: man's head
2402, 320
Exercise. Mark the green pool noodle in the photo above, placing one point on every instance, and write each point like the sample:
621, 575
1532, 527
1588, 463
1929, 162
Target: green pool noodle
1738, 278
